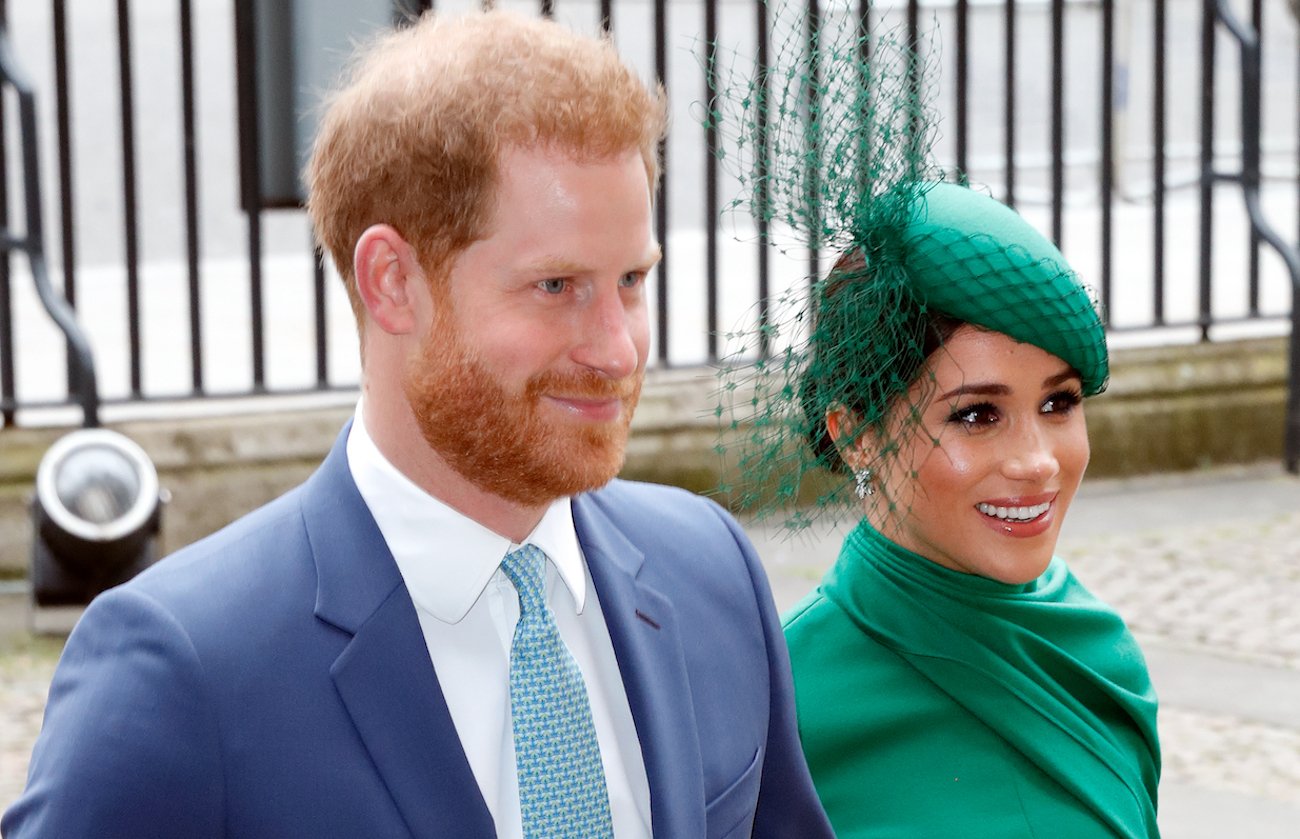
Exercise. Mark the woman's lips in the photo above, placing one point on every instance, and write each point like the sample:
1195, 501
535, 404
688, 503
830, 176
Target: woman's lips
1019, 517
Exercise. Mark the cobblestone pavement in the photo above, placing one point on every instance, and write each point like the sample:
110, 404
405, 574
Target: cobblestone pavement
1231, 754
1230, 587
26, 665
1206, 570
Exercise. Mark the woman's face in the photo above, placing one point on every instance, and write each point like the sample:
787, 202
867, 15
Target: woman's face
988, 465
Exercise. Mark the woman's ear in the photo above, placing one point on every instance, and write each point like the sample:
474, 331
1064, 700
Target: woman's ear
387, 270
851, 438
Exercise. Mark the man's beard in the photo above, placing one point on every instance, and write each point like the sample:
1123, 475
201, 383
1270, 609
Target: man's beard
499, 440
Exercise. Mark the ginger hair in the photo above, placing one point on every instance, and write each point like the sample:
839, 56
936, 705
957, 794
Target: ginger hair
414, 137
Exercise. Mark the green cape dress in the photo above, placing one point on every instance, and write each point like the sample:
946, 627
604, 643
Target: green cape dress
939, 704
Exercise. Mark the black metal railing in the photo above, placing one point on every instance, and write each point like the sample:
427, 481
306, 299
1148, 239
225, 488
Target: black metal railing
1030, 102
30, 242
1261, 231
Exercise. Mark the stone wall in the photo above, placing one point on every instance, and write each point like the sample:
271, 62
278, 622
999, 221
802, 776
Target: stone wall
1167, 409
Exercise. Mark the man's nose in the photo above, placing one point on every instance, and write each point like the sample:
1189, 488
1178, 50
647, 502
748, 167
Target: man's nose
607, 343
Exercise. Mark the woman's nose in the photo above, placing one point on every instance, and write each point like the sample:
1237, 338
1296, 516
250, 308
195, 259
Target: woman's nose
1031, 456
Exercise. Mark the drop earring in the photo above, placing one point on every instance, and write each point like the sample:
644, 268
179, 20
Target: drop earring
862, 477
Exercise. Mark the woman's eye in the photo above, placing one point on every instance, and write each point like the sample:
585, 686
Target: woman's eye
553, 286
974, 416
1061, 402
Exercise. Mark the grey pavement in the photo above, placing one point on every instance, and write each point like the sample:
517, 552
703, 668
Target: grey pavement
1205, 568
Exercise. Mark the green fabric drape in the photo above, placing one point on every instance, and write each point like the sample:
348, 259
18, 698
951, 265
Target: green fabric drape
936, 703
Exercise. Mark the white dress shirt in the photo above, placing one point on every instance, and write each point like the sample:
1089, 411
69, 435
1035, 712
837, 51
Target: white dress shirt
468, 609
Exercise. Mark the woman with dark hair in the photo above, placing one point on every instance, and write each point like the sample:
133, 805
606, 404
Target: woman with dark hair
953, 678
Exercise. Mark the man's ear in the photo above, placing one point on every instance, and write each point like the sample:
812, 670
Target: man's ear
853, 441
387, 272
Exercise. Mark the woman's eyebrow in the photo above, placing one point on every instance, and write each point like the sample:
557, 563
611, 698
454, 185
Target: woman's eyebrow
1061, 378
977, 389
995, 389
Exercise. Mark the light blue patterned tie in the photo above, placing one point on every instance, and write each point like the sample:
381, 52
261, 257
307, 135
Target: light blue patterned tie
561, 780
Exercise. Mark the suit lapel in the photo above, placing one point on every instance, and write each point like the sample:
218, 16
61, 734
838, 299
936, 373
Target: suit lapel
648, 646
383, 675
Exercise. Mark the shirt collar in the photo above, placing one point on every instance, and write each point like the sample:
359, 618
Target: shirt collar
446, 558
556, 536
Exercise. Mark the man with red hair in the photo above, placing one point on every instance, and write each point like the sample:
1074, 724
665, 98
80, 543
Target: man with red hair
461, 625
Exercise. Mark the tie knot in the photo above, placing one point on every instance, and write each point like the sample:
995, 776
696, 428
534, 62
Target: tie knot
526, 569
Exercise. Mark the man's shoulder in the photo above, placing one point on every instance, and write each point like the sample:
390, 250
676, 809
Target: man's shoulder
671, 529
658, 497
267, 523
252, 554
636, 506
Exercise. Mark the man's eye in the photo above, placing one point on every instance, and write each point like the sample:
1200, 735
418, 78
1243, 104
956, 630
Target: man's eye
631, 279
553, 286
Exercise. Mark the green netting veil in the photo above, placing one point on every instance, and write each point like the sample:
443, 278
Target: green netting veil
831, 142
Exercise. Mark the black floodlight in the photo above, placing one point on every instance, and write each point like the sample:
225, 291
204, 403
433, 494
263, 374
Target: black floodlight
97, 512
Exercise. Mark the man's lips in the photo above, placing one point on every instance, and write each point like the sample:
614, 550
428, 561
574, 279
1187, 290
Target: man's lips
590, 409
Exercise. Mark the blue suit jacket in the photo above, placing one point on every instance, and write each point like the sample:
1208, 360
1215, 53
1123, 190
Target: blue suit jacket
272, 681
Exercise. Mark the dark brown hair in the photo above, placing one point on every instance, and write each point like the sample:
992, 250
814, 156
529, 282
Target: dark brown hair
839, 319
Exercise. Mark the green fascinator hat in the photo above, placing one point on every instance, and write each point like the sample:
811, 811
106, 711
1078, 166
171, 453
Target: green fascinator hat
977, 260
951, 256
